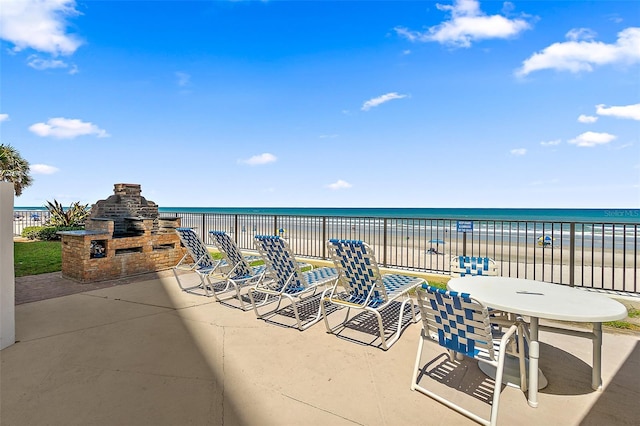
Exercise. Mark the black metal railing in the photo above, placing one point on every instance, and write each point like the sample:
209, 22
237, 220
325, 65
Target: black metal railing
594, 255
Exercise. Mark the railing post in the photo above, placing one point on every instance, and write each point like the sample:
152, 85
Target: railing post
384, 242
202, 231
572, 253
324, 237
464, 243
235, 228
275, 225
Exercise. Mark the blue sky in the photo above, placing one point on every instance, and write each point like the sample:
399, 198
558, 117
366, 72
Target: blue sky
325, 104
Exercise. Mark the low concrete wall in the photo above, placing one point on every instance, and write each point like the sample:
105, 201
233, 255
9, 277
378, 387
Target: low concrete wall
7, 278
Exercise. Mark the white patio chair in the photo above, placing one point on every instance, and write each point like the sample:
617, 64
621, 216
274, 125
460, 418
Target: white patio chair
462, 266
366, 289
470, 266
462, 325
285, 280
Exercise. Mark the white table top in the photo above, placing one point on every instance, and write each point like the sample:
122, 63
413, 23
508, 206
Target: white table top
540, 299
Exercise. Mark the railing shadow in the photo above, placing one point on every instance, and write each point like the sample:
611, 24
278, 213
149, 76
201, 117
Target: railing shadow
619, 402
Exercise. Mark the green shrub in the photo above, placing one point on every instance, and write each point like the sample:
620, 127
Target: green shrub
46, 233
31, 232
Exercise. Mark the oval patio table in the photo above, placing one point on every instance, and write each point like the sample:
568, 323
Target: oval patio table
538, 299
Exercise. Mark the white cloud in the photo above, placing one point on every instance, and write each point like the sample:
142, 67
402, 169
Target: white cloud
581, 34
624, 146
39, 24
67, 128
590, 139
582, 55
467, 24
183, 79
4, 117
333, 136
260, 159
43, 64
587, 119
627, 111
371, 103
551, 143
339, 184
544, 182
518, 151
43, 169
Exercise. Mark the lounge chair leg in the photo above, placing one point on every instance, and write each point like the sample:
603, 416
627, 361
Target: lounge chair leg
381, 327
416, 367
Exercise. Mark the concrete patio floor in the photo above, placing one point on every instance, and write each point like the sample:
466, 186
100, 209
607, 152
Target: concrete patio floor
145, 353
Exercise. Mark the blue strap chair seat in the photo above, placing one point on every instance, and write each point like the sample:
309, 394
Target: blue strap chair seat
365, 288
462, 325
284, 279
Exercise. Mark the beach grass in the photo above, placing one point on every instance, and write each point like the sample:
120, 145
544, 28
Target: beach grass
37, 257
633, 324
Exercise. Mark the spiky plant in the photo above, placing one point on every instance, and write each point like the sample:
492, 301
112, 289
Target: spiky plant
73, 216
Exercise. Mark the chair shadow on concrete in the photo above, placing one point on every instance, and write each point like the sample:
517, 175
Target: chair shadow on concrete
464, 376
363, 328
308, 310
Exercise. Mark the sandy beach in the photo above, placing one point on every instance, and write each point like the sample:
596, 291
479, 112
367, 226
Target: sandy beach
600, 268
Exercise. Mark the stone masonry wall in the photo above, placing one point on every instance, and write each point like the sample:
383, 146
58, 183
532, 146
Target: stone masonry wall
126, 201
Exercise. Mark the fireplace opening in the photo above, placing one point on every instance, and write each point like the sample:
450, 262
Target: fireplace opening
164, 246
127, 250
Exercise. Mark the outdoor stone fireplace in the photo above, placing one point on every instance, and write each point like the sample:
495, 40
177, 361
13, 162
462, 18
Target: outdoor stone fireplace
124, 235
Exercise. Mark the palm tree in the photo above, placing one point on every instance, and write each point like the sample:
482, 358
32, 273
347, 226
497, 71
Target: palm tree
14, 168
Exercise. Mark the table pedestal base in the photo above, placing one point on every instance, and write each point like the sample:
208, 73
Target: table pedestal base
511, 375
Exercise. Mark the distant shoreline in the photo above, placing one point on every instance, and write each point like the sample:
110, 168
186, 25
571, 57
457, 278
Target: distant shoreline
594, 215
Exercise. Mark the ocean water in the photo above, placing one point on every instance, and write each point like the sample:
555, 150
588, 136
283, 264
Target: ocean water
607, 216
480, 214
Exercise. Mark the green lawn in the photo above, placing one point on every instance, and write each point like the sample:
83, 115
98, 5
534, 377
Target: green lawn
37, 257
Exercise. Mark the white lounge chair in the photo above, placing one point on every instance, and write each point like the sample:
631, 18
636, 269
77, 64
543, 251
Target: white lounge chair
366, 289
237, 273
198, 260
285, 280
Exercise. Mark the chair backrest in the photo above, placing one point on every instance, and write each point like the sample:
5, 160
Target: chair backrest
358, 269
462, 266
280, 262
231, 253
461, 323
196, 248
